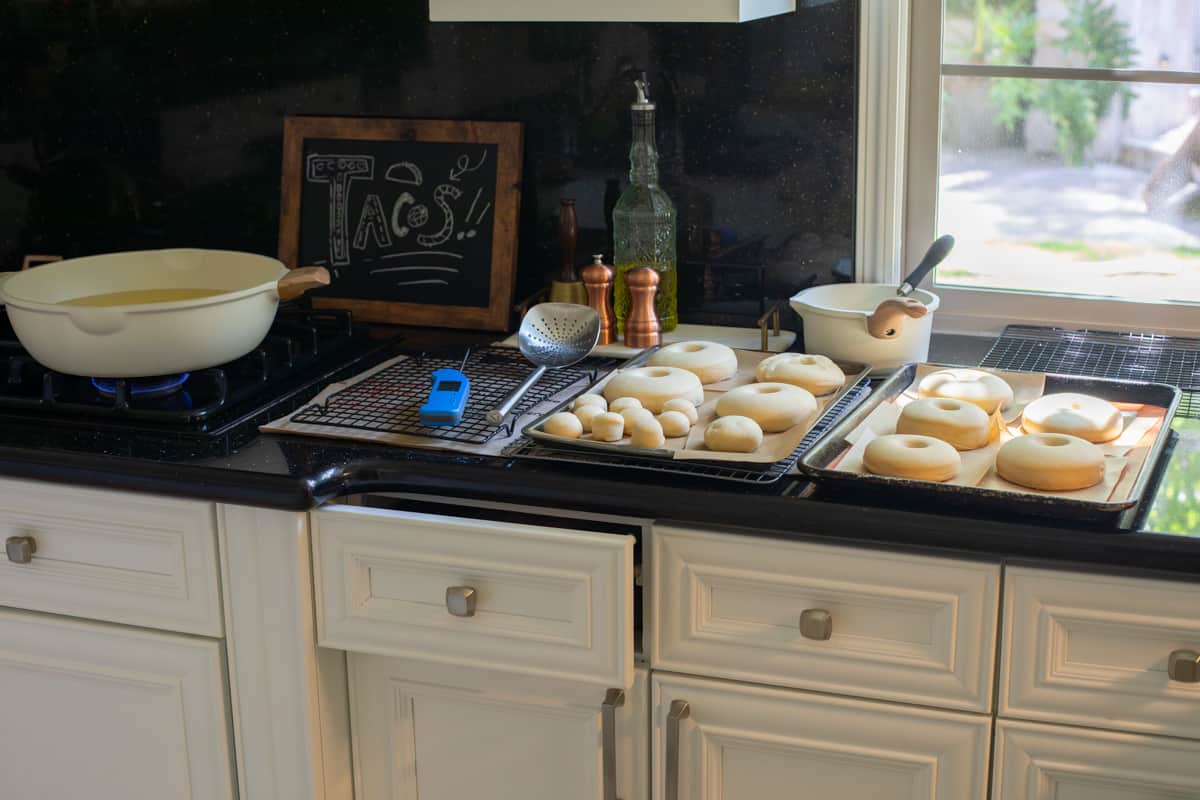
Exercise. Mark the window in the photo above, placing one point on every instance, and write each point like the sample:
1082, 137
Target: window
1059, 142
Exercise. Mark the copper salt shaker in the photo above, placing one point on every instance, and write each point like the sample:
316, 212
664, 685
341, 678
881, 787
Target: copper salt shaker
642, 328
598, 278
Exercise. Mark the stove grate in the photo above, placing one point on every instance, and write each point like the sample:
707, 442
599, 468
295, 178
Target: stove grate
528, 448
1104, 354
389, 400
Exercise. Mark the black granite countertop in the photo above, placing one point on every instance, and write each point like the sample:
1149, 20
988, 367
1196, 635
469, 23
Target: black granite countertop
299, 473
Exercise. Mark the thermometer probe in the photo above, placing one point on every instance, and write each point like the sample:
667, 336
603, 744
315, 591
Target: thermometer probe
447, 397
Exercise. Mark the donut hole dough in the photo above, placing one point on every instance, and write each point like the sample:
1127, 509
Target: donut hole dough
921, 458
958, 423
585, 414
621, 403
983, 389
1082, 415
633, 416
1053, 462
648, 433
564, 424
590, 400
608, 427
674, 424
774, 406
654, 386
733, 434
685, 407
709, 361
816, 374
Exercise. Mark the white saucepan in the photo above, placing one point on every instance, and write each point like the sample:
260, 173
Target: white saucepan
154, 312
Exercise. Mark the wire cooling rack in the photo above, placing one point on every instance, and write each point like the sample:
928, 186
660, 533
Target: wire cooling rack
1103, 354
389, 400
528, 448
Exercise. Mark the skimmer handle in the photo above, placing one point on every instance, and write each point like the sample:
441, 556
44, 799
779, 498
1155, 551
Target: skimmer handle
497, 414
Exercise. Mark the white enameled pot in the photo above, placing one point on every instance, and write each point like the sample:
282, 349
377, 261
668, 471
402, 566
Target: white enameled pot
836, 325
146, 339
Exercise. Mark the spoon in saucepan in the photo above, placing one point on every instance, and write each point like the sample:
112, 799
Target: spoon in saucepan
935, 255
552, 336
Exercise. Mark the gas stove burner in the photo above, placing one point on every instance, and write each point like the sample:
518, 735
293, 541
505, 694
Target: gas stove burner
141, 387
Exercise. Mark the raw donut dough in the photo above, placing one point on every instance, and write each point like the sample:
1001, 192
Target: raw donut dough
1074, 414
983, 389
958, 423
1054, 462
774, 406
685, 407
608, 427
733, 434
648, 433
674, 424
708, 361
653, 386
633, 416
586, 414
817, 374
921, 458
622, 403
565, 424
589, 400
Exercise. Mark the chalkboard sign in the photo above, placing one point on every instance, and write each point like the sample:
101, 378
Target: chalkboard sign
416, 220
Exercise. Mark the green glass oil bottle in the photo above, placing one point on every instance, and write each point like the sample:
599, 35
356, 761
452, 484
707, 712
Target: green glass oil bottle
644, 221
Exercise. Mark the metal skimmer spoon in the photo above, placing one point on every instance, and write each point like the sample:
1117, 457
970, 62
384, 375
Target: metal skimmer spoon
552, 335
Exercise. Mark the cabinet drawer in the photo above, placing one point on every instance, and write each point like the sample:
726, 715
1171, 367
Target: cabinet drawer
908, 628
1094, 650
112, 556
1047, 762
547, 601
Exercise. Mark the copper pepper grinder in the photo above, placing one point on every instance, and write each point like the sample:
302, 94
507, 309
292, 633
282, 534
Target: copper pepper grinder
598, 278
642, 328
567, 288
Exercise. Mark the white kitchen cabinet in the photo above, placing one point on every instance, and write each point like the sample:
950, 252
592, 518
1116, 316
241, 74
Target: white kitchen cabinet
718, 740
606, 10
423, 733
1050, 762
97, 711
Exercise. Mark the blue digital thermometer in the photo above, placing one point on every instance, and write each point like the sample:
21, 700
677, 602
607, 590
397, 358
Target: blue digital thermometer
447, 397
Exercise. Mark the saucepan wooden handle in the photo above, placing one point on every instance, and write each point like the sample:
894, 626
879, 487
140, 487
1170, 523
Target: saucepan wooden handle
300, 280
888, 317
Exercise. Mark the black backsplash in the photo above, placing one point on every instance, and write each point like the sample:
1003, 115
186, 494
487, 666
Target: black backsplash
129, 125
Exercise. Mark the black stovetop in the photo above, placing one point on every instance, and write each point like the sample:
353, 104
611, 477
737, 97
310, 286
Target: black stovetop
207, 412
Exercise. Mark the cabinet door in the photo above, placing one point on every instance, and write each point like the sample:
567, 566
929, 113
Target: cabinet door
107, 713
715, 740
418, 737
1049, 762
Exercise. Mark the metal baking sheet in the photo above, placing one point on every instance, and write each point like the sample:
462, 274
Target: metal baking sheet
879, 489
854, 370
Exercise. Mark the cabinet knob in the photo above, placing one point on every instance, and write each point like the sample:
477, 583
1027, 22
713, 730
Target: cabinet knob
816, 623
460, 600
20, 549
1184, 666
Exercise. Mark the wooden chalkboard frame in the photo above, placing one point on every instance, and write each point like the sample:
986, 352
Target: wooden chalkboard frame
507, 136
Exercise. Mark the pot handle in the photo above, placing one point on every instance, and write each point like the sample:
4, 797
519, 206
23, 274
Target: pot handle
887, 320
300, 280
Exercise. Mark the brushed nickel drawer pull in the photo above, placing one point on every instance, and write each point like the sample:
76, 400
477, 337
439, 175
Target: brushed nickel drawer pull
1184, 666
613, 699
460, 600
20, 549
680, 710
816, 624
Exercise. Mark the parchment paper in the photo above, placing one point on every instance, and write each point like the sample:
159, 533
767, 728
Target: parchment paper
1125, 456
775, 446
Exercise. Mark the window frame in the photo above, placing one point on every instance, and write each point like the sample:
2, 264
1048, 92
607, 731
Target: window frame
899, 127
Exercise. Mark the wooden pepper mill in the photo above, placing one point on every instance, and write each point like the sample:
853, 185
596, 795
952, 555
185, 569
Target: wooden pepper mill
568, 288
598, 278
642, 328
